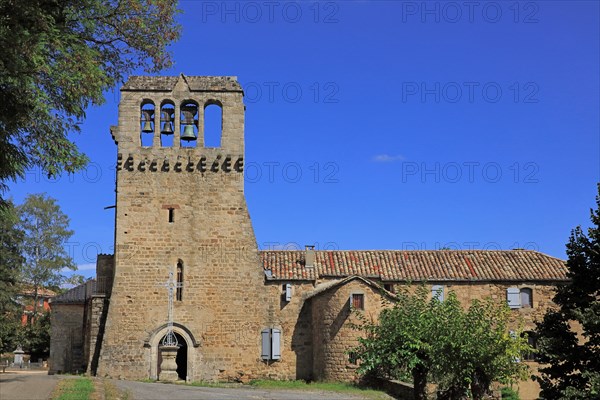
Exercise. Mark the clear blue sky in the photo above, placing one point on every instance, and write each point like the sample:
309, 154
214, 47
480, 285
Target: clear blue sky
412, 125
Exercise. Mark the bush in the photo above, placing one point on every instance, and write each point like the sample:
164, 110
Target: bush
509, 394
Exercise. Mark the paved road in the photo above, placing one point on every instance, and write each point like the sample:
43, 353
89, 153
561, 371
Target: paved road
30, 385
161, 391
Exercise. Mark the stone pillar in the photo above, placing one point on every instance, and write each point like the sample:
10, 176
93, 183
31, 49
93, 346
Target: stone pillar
168, 367
18, 356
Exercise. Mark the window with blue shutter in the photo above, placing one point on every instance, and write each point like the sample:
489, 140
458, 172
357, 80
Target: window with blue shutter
275, 344
513, 297
266, 344
437, 292
271, 344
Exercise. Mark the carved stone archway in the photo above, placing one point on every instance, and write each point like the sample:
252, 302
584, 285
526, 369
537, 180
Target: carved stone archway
153, 342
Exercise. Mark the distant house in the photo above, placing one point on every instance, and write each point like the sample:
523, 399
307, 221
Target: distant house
26, 298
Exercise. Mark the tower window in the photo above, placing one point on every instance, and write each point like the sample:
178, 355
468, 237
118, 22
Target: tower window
171, 215
167, 117
147, 123
213, 124
189, 124
179, 293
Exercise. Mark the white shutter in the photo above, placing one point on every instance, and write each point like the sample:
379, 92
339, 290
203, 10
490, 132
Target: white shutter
437, 292
275, 344
513, 297
266, 344
288, 292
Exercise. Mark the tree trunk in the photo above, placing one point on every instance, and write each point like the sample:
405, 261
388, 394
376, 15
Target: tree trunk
480, 385
35, 303
419, 374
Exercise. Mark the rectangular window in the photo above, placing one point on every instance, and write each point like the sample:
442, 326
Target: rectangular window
357, 301
271, 344
437, 292
526, 298
171, 215
389, 287
353, 358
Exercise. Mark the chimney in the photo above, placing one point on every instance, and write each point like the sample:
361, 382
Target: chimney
309, 256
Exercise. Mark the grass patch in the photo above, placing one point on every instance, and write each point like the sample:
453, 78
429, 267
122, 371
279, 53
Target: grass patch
74, 389
111, 392
338, 387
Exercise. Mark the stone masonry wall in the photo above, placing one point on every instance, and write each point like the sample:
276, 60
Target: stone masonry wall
224, 304
333, 335
67, 333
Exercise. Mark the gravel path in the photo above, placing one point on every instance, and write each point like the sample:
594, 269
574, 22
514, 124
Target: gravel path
160, 391
30, 385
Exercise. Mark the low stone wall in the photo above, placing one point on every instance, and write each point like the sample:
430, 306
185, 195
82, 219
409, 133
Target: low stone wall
397, 389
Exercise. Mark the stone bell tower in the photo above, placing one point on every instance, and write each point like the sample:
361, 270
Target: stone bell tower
180, 208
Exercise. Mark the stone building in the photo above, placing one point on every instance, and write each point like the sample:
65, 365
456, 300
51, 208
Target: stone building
239, 313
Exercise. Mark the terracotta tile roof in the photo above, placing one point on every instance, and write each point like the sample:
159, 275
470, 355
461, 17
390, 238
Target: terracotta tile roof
417, 265
28, 290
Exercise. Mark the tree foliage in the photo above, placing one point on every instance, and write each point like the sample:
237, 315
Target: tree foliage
11, 240
463, 351
35, 337
573, 370
46, 230
59, 56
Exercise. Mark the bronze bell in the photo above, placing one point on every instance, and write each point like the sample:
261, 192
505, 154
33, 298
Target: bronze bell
167, 128
188, 133
147, 120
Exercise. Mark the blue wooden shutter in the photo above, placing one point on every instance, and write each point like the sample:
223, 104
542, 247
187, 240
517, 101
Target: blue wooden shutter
513, 297
275, 344
288, 292
266, 344
437, 292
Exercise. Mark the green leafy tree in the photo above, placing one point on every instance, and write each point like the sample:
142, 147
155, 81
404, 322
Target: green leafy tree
477, 347
46, 230
573, 370
11, 261
58, 57
35, 337
438, 341
399, 344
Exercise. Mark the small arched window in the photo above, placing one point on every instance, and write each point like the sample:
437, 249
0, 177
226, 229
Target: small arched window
213, 124
147, 123
167, 117
179, 293
189, 123
526, 298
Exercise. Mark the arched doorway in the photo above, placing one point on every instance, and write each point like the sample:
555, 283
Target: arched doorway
186, 354
181, 359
